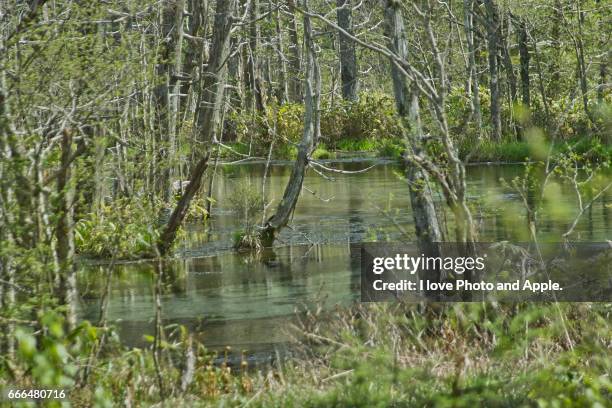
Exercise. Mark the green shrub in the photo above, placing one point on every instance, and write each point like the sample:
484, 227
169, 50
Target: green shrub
347, 125
248, 203
321, 152
123, 229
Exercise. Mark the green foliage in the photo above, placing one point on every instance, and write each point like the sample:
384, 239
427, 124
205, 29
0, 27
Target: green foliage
487, 151
460, 355
392, 148
372, 117
128, 228
248, 203
50, 358
123, 229
362, 125
321, 152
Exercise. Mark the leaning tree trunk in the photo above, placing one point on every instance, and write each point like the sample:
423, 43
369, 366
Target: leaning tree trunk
423, 210
492, 24
312, 88
348, 56
208, 115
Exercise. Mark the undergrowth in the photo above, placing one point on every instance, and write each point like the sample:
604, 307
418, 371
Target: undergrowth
128, 228
371, 355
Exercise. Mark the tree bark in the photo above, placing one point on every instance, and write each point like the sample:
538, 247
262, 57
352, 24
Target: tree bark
295, 64
312, 87
603, 75
282, 89
524, 55
407, 102
493, 46
554, 66
581, 68
64, 233
208, 115
474, 89
162, 98
197, 14
252, 68
508, 67
175, 93
348, 56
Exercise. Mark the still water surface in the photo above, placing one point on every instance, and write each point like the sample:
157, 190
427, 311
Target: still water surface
248, 301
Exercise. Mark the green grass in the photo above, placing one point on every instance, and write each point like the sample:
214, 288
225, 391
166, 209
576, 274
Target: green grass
460, 355
488, 151
512, 151
368, 355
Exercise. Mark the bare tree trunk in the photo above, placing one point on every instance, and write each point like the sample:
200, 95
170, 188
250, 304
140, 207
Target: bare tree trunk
7, 269
511, 77
64, 233
524, 55
252, 68
295, 65
554, 66
581, 68
407, 102
603, 75
198, 10
507, 61
208, 115
474, 90
283, 86
348, 56
492, 25
163, 100
175, 86
606, 56
312, 87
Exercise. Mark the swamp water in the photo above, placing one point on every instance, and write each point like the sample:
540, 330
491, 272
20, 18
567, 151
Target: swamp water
248, 301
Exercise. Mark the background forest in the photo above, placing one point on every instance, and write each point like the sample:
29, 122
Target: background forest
117, 119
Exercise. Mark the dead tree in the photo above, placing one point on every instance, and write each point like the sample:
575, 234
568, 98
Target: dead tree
312, 92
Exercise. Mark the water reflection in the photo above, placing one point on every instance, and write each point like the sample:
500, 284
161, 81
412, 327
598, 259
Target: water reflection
248, 301
240, 300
